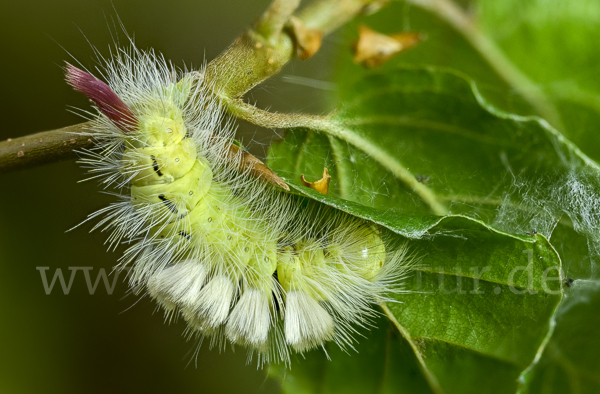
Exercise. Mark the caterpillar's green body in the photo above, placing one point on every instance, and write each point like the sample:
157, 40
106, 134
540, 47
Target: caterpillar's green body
235, 258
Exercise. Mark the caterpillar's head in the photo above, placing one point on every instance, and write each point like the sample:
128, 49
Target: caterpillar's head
162, 123
156, 130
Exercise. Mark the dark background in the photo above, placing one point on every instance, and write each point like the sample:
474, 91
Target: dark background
99, 343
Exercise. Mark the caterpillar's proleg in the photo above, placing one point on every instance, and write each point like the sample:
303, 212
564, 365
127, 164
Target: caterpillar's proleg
235, 258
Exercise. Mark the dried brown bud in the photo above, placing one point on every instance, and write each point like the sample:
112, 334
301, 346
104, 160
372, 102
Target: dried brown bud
322, 185
308, 41
373, 49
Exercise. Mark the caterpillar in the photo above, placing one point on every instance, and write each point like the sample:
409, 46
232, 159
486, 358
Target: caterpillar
241, 261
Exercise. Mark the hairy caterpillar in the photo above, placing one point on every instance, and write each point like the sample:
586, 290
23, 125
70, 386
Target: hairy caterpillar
237, 259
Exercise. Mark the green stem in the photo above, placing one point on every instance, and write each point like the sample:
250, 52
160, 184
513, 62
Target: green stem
274, 19
329, 15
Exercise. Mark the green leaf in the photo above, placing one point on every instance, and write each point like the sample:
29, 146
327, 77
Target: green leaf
571, 359
550, 41
478, 297
524, 187
443, 47
397, 124
509, 48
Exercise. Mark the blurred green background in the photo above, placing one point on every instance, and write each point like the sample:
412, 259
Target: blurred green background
99, 343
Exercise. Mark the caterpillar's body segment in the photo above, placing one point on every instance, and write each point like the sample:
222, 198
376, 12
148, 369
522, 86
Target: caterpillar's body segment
235, 258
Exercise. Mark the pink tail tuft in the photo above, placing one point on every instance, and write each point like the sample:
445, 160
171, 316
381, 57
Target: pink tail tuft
103, 96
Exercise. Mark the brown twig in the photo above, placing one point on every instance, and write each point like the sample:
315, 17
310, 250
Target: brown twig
43, 148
